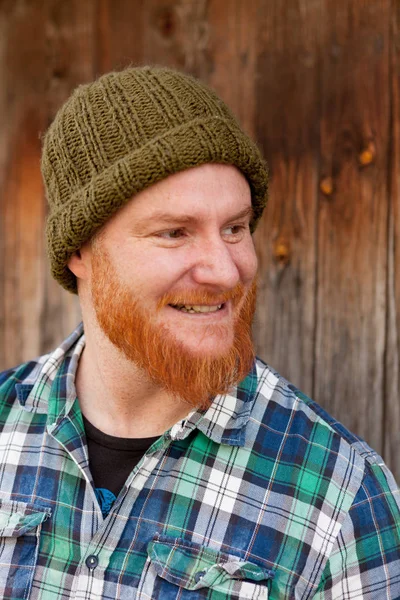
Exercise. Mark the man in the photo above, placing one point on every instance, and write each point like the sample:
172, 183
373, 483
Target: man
151, 455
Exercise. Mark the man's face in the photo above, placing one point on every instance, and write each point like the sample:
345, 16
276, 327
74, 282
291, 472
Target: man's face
173, 281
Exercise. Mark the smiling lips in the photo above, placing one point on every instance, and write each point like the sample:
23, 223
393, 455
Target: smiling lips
197, 308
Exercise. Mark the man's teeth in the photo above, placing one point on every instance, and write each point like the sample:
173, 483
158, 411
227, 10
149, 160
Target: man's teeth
196, 308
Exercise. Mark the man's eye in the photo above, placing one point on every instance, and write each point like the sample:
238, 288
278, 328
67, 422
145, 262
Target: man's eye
172, 234
234, 229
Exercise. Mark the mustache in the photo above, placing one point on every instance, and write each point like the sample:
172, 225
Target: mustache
193, 297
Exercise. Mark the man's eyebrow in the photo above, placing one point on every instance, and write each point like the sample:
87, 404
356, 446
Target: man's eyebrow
167, 217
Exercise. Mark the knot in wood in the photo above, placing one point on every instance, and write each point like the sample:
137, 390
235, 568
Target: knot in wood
326, 186
165, 21
367, 156
282, 252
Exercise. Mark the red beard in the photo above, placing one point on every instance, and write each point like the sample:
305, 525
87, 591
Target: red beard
196, 379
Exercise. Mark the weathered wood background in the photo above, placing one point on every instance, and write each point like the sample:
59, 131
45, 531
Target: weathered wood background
317, 82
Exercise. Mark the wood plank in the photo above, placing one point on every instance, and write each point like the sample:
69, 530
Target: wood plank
287, 104
22, 206
352, 223
391, 434
36, 313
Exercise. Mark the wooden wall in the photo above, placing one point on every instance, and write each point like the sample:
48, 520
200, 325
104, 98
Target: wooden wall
317, 83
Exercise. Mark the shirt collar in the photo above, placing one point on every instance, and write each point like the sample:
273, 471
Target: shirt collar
52, 391
225, 420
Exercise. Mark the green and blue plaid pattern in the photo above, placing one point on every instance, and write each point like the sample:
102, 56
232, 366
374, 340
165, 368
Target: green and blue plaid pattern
262, 496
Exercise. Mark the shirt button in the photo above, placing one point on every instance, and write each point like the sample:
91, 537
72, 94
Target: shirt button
91, 562
199, 575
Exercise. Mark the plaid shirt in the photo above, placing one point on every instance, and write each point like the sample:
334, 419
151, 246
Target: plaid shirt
262, 496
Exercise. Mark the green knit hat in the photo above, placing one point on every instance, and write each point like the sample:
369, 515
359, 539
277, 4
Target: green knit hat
122, 133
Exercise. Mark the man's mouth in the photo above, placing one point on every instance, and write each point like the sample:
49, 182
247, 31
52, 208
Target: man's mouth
197, 308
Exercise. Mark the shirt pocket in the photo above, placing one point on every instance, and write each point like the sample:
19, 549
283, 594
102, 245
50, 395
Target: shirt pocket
177, 568
20, 526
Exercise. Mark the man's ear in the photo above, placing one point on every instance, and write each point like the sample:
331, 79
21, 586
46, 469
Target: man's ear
78, 264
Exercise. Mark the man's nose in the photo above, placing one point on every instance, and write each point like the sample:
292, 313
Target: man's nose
214, 264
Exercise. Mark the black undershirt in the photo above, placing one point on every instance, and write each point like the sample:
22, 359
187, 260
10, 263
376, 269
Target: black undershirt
111, 459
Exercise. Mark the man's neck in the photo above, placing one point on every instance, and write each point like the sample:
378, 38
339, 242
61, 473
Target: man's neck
117, 397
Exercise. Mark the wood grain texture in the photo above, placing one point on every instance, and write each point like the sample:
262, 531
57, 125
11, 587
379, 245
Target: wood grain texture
45, 52
176, 35
352, 220
120, 34
391, 433
287, 101
232, 53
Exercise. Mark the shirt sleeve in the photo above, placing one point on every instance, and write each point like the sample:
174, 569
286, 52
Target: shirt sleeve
365, 560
